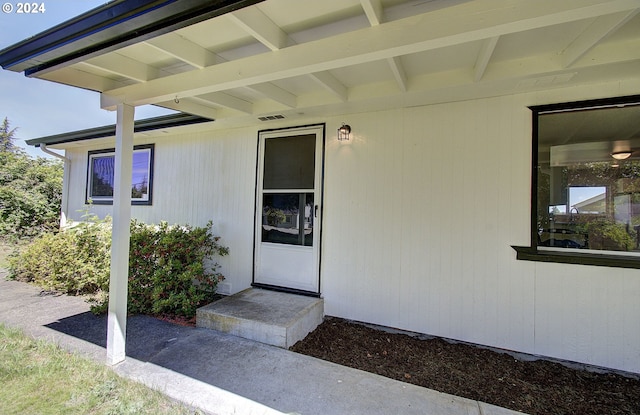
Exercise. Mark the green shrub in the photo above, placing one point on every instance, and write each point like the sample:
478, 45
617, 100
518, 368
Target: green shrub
609, 236
30, 195
170, 267
74, 262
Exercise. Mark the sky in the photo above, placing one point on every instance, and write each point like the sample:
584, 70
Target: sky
40, 108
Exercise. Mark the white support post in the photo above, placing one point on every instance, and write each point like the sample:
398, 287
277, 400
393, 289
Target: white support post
117, 318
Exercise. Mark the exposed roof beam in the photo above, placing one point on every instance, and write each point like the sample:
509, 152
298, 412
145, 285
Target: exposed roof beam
258, 25
75, 76
189, 106
373, 10
398, 72
598, 30
124, 66
226, 100
184, 50
330, 83
613, 53
455, 85
109, 27
484, 57
541, 69
441, 28
276, 93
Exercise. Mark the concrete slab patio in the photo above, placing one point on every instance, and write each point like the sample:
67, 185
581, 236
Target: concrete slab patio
221, 373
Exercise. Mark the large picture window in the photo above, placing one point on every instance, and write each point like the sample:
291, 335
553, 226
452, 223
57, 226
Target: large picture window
586, 180
100, 176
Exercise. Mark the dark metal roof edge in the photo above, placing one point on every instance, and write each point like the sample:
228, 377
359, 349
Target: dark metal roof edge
77, 27
108, 27
148, 124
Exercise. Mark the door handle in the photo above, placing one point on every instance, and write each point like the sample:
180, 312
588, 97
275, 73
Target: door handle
315, 212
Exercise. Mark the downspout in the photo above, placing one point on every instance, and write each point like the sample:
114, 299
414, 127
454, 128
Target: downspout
65, 183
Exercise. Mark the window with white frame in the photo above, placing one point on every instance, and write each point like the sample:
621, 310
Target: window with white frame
586, 177
100, 176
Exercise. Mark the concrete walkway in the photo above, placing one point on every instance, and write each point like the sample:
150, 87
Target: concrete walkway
219, 373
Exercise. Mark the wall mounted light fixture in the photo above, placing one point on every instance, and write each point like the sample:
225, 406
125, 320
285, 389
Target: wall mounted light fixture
344, 132
621, 155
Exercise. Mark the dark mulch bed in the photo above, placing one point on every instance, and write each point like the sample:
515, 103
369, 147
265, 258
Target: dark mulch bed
537, 387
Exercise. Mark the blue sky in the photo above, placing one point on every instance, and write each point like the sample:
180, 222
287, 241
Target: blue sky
41, 108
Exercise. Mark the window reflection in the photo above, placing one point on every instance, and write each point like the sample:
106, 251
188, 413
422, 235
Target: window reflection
101, 171
288, 218
586, 198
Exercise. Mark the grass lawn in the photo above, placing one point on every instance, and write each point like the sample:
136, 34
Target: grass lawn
37, 377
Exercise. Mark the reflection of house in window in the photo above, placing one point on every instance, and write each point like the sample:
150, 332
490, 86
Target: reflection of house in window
586, 198
592, 206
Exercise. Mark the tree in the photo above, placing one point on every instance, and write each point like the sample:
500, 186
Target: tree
30, 190
7, 137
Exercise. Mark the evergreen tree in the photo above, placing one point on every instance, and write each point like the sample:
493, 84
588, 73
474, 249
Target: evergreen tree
7, 137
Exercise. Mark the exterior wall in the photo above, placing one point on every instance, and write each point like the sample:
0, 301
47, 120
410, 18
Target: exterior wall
421, 208
197, 178
421, 237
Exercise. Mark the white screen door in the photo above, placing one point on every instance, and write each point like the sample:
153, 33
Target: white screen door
288, 209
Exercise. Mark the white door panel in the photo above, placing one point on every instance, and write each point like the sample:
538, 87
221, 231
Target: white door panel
288, 202
287, 266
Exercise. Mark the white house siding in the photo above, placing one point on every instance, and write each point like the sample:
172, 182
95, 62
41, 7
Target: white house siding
421, 208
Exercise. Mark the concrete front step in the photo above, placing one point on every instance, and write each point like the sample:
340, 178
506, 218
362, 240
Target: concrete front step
275, 318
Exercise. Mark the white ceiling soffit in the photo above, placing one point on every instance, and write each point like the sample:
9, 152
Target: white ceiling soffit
334, 56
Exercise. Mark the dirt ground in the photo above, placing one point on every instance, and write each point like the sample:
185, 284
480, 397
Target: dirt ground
537, 387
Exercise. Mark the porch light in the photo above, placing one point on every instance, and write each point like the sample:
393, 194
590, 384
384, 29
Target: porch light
344, 132
621, 155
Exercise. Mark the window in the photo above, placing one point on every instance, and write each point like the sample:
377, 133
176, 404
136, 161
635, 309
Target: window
100, 176
288, 183
586, 183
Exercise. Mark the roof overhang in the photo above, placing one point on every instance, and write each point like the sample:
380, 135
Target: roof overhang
163, 123
241, 61
114, 25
